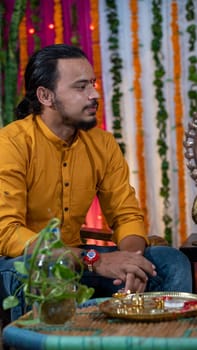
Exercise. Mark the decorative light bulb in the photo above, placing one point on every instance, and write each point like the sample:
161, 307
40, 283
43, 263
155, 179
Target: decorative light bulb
51, 26
31, 31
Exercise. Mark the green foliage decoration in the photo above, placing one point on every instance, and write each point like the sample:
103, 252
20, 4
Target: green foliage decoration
35, 17
10, 64
9, 57
75, 37
162, 115
116, 67
192, 69
2, 62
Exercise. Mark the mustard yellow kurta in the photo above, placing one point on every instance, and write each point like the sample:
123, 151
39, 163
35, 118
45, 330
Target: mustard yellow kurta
41, 177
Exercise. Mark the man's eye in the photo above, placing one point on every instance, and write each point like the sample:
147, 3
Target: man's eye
81, 87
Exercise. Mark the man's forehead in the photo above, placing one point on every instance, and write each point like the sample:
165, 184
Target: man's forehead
77, 63
77, 68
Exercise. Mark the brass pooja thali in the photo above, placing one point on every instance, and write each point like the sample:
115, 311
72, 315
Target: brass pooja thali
150, 306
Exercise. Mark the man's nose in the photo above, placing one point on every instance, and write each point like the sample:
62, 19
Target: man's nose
93, 93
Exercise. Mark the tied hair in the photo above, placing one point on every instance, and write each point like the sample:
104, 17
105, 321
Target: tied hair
28, 105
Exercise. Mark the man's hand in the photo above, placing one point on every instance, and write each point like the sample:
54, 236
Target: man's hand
133, 243
131, 280
128, 267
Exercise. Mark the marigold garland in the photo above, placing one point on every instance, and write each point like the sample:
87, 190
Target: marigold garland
137, 90
94, 15
23, 52
58, 22
178, 110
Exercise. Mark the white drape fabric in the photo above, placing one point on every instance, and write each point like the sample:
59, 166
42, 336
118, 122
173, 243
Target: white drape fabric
152, 160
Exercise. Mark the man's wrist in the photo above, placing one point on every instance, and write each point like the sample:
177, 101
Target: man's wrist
90, 259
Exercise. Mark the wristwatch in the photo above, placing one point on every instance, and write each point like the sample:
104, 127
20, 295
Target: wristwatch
90, 257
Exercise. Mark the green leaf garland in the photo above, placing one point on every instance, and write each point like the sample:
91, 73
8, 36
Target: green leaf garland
116, 67
2, 62
162, 115
192, 69
35, 17
11, 62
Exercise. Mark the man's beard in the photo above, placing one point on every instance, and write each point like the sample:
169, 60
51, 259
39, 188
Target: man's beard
86, 125
77, 124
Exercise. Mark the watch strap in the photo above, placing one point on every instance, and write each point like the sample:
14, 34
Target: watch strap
89, 258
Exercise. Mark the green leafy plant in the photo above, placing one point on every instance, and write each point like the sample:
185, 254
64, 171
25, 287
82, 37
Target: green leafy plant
162, 115
48, 277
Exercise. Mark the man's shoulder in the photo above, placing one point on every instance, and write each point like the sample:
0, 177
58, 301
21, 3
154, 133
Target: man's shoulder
98, 138
17, 127
98, 133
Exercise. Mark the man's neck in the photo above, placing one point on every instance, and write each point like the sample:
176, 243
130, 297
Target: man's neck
64, 132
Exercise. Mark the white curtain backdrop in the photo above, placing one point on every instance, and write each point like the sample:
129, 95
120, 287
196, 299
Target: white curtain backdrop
152, 159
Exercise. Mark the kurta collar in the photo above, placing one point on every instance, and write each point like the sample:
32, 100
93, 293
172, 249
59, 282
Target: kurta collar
51, 136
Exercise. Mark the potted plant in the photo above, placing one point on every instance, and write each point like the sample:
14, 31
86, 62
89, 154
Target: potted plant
49, 279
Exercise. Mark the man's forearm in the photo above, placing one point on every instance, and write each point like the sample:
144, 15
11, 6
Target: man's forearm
76, 251
132, 243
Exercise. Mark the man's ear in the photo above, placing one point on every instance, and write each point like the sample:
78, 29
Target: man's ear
45, 96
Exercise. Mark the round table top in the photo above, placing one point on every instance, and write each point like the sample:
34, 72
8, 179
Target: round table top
90, 329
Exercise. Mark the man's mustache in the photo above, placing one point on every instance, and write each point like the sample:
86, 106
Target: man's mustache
94, 104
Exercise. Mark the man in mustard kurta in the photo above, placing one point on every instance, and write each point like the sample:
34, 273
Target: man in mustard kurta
46, 177
53, 161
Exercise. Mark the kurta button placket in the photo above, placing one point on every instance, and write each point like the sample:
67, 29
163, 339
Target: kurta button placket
65, 178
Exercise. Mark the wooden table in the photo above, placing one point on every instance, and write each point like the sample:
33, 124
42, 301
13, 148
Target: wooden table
92, 330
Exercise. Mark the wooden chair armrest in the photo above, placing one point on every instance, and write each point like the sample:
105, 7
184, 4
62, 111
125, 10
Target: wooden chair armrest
106, 236
97, 234
157, 240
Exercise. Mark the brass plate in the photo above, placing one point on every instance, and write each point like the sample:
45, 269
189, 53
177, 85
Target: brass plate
151, 306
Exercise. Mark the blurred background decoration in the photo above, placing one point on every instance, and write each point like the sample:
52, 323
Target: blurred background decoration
144, 54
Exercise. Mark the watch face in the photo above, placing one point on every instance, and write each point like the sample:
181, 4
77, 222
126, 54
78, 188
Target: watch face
91, 254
